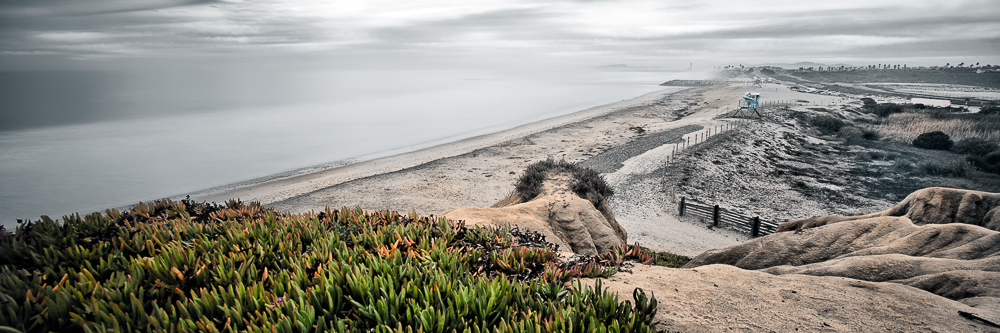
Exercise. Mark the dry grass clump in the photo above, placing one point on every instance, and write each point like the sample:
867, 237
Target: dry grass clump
668, 259
904, 127
586, 180
953, 168
975, 147
195, 267
827, 124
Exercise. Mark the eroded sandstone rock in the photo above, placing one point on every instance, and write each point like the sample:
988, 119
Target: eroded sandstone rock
583, 223
938, 240
721, 298
932, 205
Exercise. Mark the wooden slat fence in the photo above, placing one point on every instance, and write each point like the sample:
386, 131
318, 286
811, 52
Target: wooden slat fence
754, 226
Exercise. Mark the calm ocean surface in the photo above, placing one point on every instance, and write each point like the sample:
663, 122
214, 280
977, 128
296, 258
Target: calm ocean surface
86, 141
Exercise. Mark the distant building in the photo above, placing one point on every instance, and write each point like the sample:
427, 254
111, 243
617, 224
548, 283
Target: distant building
931, 102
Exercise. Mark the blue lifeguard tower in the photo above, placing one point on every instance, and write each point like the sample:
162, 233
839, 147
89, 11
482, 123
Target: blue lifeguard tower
748, 105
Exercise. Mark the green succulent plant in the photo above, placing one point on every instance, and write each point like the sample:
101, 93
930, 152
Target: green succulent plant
183, 266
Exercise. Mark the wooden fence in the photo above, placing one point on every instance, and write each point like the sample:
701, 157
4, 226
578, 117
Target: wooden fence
754, 226
701, 136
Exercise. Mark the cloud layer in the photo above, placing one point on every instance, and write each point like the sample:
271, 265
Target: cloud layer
635, 32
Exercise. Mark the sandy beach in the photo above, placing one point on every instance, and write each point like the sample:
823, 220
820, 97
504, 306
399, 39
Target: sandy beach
628, 142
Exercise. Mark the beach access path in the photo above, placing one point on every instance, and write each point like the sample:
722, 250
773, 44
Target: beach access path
482, 170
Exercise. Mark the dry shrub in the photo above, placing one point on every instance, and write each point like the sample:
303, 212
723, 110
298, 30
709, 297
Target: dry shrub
852, 135
990, 109
586, 180
933, 140
988, 163
954, 168
975, 147
904, 127
884, 110
827, 124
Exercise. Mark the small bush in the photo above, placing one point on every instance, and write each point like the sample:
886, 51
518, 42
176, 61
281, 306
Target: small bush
870, 135
975, 147
668, 259
933, 140
990, 109
852, 135
955, 168
884, 110
879, 155
827, 124
868, 103
902, 167
862, 120
587, 180
988, 163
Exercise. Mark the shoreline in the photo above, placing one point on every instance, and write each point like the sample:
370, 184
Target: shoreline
289, 184
628, 142
632, 161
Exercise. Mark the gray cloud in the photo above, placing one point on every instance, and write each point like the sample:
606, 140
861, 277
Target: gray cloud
638, 31
89, 7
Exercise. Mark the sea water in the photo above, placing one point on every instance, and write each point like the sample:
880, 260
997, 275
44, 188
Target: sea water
87, 141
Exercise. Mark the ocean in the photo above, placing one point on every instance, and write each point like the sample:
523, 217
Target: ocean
85, 141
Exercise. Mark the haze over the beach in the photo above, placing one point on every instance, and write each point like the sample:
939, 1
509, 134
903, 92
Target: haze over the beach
109, 102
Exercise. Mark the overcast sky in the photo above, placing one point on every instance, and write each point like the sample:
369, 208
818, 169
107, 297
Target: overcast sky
64, 34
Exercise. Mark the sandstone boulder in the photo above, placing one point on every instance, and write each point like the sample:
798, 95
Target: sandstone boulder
575, 220
933, 205
721, 298
950, 252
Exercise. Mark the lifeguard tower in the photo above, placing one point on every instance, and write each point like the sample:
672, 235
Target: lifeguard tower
748, 106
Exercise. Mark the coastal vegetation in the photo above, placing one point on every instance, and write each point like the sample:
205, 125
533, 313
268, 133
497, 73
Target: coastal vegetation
586, 180
975, 147
940, 75
933, 140
183, 266
906, 126
975, 135
990, 109
843, 160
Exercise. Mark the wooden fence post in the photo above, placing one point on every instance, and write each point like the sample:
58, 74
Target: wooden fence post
680, 208
756, 226
715, 216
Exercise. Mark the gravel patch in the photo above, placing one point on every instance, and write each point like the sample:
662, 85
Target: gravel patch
612, 160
